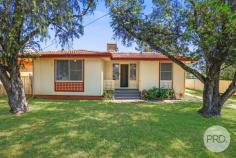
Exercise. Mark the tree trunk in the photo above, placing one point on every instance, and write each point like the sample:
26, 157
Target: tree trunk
15, 91
211, 96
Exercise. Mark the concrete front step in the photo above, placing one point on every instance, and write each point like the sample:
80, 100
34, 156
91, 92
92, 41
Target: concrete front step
127, 94
127, 98
126, 90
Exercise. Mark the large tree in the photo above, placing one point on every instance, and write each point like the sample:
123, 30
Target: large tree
205, 29
23, 23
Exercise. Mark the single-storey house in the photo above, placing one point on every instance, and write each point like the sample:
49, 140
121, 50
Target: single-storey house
86, 74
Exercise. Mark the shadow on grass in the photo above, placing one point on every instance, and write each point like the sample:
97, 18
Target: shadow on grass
103, 129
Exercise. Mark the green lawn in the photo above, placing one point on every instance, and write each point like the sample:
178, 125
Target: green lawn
103, 129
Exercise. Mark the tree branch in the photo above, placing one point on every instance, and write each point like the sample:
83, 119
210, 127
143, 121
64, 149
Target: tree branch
230, 90
180, 63
36, 31
84, 12
151, 43
30, 36
228, 65
1, 41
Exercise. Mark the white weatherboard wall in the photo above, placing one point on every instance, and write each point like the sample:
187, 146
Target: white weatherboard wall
108, 65
148, 74
43, 81
178, 80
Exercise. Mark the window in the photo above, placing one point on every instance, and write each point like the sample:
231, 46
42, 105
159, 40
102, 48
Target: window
116, 70
69, 70
132, 71
76, 73
62, 70
166, 75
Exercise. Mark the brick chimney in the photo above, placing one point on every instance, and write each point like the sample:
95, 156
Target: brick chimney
112, 47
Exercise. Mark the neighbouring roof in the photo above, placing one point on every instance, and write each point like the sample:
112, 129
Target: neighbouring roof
112, 56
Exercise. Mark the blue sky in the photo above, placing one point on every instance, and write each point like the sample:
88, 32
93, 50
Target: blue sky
95, 37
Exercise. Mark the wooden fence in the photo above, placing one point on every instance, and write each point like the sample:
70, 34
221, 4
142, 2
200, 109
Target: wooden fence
196, 84
27, 82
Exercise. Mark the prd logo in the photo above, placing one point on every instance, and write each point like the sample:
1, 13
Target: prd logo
216, 138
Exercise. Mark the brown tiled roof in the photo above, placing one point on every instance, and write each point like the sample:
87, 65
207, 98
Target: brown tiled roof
143, 55
113, 56
72, 53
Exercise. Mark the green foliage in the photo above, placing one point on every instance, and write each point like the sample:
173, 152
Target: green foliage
158, 93
25, 23
108, 94
176, 25
228, 73
201, 28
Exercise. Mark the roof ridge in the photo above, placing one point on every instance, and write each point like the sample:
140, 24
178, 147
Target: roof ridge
74, 50
95, 51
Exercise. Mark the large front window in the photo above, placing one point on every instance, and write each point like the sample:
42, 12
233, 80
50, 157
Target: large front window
166, 75
69, 70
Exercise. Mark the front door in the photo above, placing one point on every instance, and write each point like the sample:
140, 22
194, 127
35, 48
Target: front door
124, 74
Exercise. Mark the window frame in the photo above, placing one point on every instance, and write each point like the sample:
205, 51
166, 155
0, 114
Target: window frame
135, 72
68, 60
113, 71
171, 81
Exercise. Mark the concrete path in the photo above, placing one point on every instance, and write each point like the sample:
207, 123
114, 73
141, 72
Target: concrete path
233, 106
226, 104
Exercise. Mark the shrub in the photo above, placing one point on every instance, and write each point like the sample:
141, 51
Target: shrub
108, 94
158, 93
